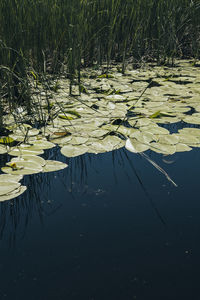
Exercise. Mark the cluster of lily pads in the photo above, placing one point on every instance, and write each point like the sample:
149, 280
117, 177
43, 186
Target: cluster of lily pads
112, 112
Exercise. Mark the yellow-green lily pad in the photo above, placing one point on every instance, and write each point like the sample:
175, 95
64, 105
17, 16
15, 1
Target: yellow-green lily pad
53, 165
170, 139
192, 119
10, 178
42, 144
22, 168
182, 147
3, 149
142, 136
7, 187
14, 194
6, 140
190, 131
163, 148
24, 151
32, 158
135, 146
73, 150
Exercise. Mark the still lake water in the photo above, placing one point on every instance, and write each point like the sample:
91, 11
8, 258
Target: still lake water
108, 227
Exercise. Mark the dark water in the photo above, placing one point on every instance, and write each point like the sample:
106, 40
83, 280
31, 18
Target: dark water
108, 227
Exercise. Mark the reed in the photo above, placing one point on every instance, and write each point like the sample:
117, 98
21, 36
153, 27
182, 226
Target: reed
54, 36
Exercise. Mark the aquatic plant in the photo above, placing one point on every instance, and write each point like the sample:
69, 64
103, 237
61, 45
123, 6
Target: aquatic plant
48, 37
52, 49
135, 117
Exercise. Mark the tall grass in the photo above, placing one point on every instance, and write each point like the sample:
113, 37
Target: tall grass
52, 36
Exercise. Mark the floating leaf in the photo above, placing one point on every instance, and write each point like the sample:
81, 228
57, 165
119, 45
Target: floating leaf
23, 168
14, 194
21, 151
73, 112
135, 146
143, 137
6, 140
170, 139
73, 150
61, 133
98, 133
7, 187
167, 120
64, 117
3, 149
182, 148
10, 178
155, 129
115, 97
106, 76
188, 139
192, 119
62, 140
142, 122
155, 115
107, 144
70, 115
32, 132
78, 140
190, 131
14, 166
32, 158
53, 165
42, 144
163, 148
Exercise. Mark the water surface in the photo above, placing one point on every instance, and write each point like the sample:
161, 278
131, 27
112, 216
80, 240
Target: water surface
110, 226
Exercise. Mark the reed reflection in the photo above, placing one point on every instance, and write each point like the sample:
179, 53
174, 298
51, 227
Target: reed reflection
73, 183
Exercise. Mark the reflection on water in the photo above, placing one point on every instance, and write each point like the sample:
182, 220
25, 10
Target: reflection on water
15, 215
109, 226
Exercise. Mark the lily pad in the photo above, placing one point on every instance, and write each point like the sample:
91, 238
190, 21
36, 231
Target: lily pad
170, 139
3, 149
188, 139
32, 158
7, 187
109, 143
25, 151
190, 131
155, 129
62, 140
182, 147
143, 137
42, 144
22, 168
73, 150
135, 146
78, 140
167, 120
143, 122
192, 119
10, 178
53, 165
6, 140
14, 194
98, 133
163, 148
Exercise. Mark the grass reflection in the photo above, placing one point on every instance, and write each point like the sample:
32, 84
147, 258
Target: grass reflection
35, 205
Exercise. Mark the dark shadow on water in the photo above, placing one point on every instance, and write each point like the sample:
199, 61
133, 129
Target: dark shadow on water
17, 214
107, 216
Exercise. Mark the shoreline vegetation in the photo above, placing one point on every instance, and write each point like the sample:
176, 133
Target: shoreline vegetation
44, 40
